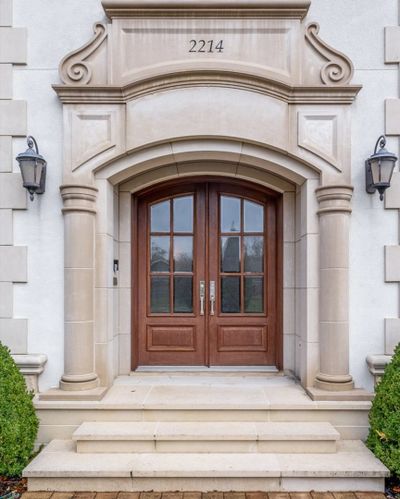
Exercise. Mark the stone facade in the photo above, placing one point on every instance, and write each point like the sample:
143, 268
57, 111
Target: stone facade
126, 116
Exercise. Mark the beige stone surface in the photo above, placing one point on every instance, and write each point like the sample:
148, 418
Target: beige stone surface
59, 460
6, 227
392, 116
6, 12
392, 263
79, 303
5, 154
12, 194
14, 334
12, 116
392, 335
13, 45
6, 299
80, 250
206, 437
171, 51
13, 263
392, 195
180, 117
6, 80
392, 43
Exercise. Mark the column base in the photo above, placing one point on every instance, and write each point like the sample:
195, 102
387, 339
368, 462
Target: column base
351, 395
76, 383
334, 386
55, 394
334, 382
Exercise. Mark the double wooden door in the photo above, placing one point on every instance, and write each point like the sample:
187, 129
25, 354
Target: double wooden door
205, 282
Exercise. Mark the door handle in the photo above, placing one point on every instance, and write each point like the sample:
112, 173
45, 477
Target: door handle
212, 297
202, 296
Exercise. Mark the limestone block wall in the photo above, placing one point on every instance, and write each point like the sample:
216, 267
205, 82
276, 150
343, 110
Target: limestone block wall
13, 123
392, 199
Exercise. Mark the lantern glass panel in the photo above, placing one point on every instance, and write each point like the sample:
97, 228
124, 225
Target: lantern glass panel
387, 166
31, 171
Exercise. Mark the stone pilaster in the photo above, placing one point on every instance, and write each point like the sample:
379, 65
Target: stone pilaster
334, 220
79, 253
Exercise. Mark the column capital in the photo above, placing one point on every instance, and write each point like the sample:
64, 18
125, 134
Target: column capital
334, 198
79, 197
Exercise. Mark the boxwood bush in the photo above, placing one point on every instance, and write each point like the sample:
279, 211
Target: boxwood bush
18, 421
384, 417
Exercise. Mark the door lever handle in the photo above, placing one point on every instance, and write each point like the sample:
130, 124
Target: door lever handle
212, 297
202, 296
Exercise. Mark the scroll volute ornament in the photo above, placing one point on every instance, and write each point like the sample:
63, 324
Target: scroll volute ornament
339, 69
75, 68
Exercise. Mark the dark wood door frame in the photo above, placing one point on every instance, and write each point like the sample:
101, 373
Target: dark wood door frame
172, 187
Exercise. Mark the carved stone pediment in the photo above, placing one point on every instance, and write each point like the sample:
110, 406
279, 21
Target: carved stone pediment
264, 39
254, 70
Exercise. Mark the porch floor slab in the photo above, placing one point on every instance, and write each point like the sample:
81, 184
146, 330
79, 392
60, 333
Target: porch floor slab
183, 391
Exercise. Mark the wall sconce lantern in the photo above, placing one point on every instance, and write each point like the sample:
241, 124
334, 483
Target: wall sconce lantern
379, 168
33, 168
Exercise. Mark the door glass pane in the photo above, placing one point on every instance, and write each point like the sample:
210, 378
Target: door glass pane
183, 294
159, 294
159, 253
230, 214
253, 247
230, 294
253, 217
183, 214
230, 254
183, 253
160, 217
253, 294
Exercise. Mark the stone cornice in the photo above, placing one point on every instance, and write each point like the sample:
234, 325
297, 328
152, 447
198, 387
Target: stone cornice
207, 8
296, 94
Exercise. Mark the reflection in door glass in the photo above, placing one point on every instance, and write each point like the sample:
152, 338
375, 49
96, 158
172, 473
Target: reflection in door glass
183, 214
253, 294
159, 295
230, 214
230, 295
230, 254
253, 247
183, 253
183, 294
253, 217
160, 217
159, 253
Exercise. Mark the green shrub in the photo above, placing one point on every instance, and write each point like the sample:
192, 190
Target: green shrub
384, 417
18, 421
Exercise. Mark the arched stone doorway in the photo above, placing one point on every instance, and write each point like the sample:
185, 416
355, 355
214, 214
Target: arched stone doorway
126, 130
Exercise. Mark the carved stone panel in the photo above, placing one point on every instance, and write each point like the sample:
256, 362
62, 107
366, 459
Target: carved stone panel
147, 47
318, 133
93, 134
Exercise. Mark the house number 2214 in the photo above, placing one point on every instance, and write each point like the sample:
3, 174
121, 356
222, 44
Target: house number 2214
208, 46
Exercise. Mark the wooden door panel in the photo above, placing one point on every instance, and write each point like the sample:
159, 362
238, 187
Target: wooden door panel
242, 338
171, 338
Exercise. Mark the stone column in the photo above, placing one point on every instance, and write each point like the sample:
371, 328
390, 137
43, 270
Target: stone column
334, 220
79, 263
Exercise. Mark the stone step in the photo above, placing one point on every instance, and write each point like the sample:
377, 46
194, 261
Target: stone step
198, 437
59, 467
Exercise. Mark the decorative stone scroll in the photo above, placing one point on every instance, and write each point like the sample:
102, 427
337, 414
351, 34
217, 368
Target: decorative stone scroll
339, 69
75, 68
